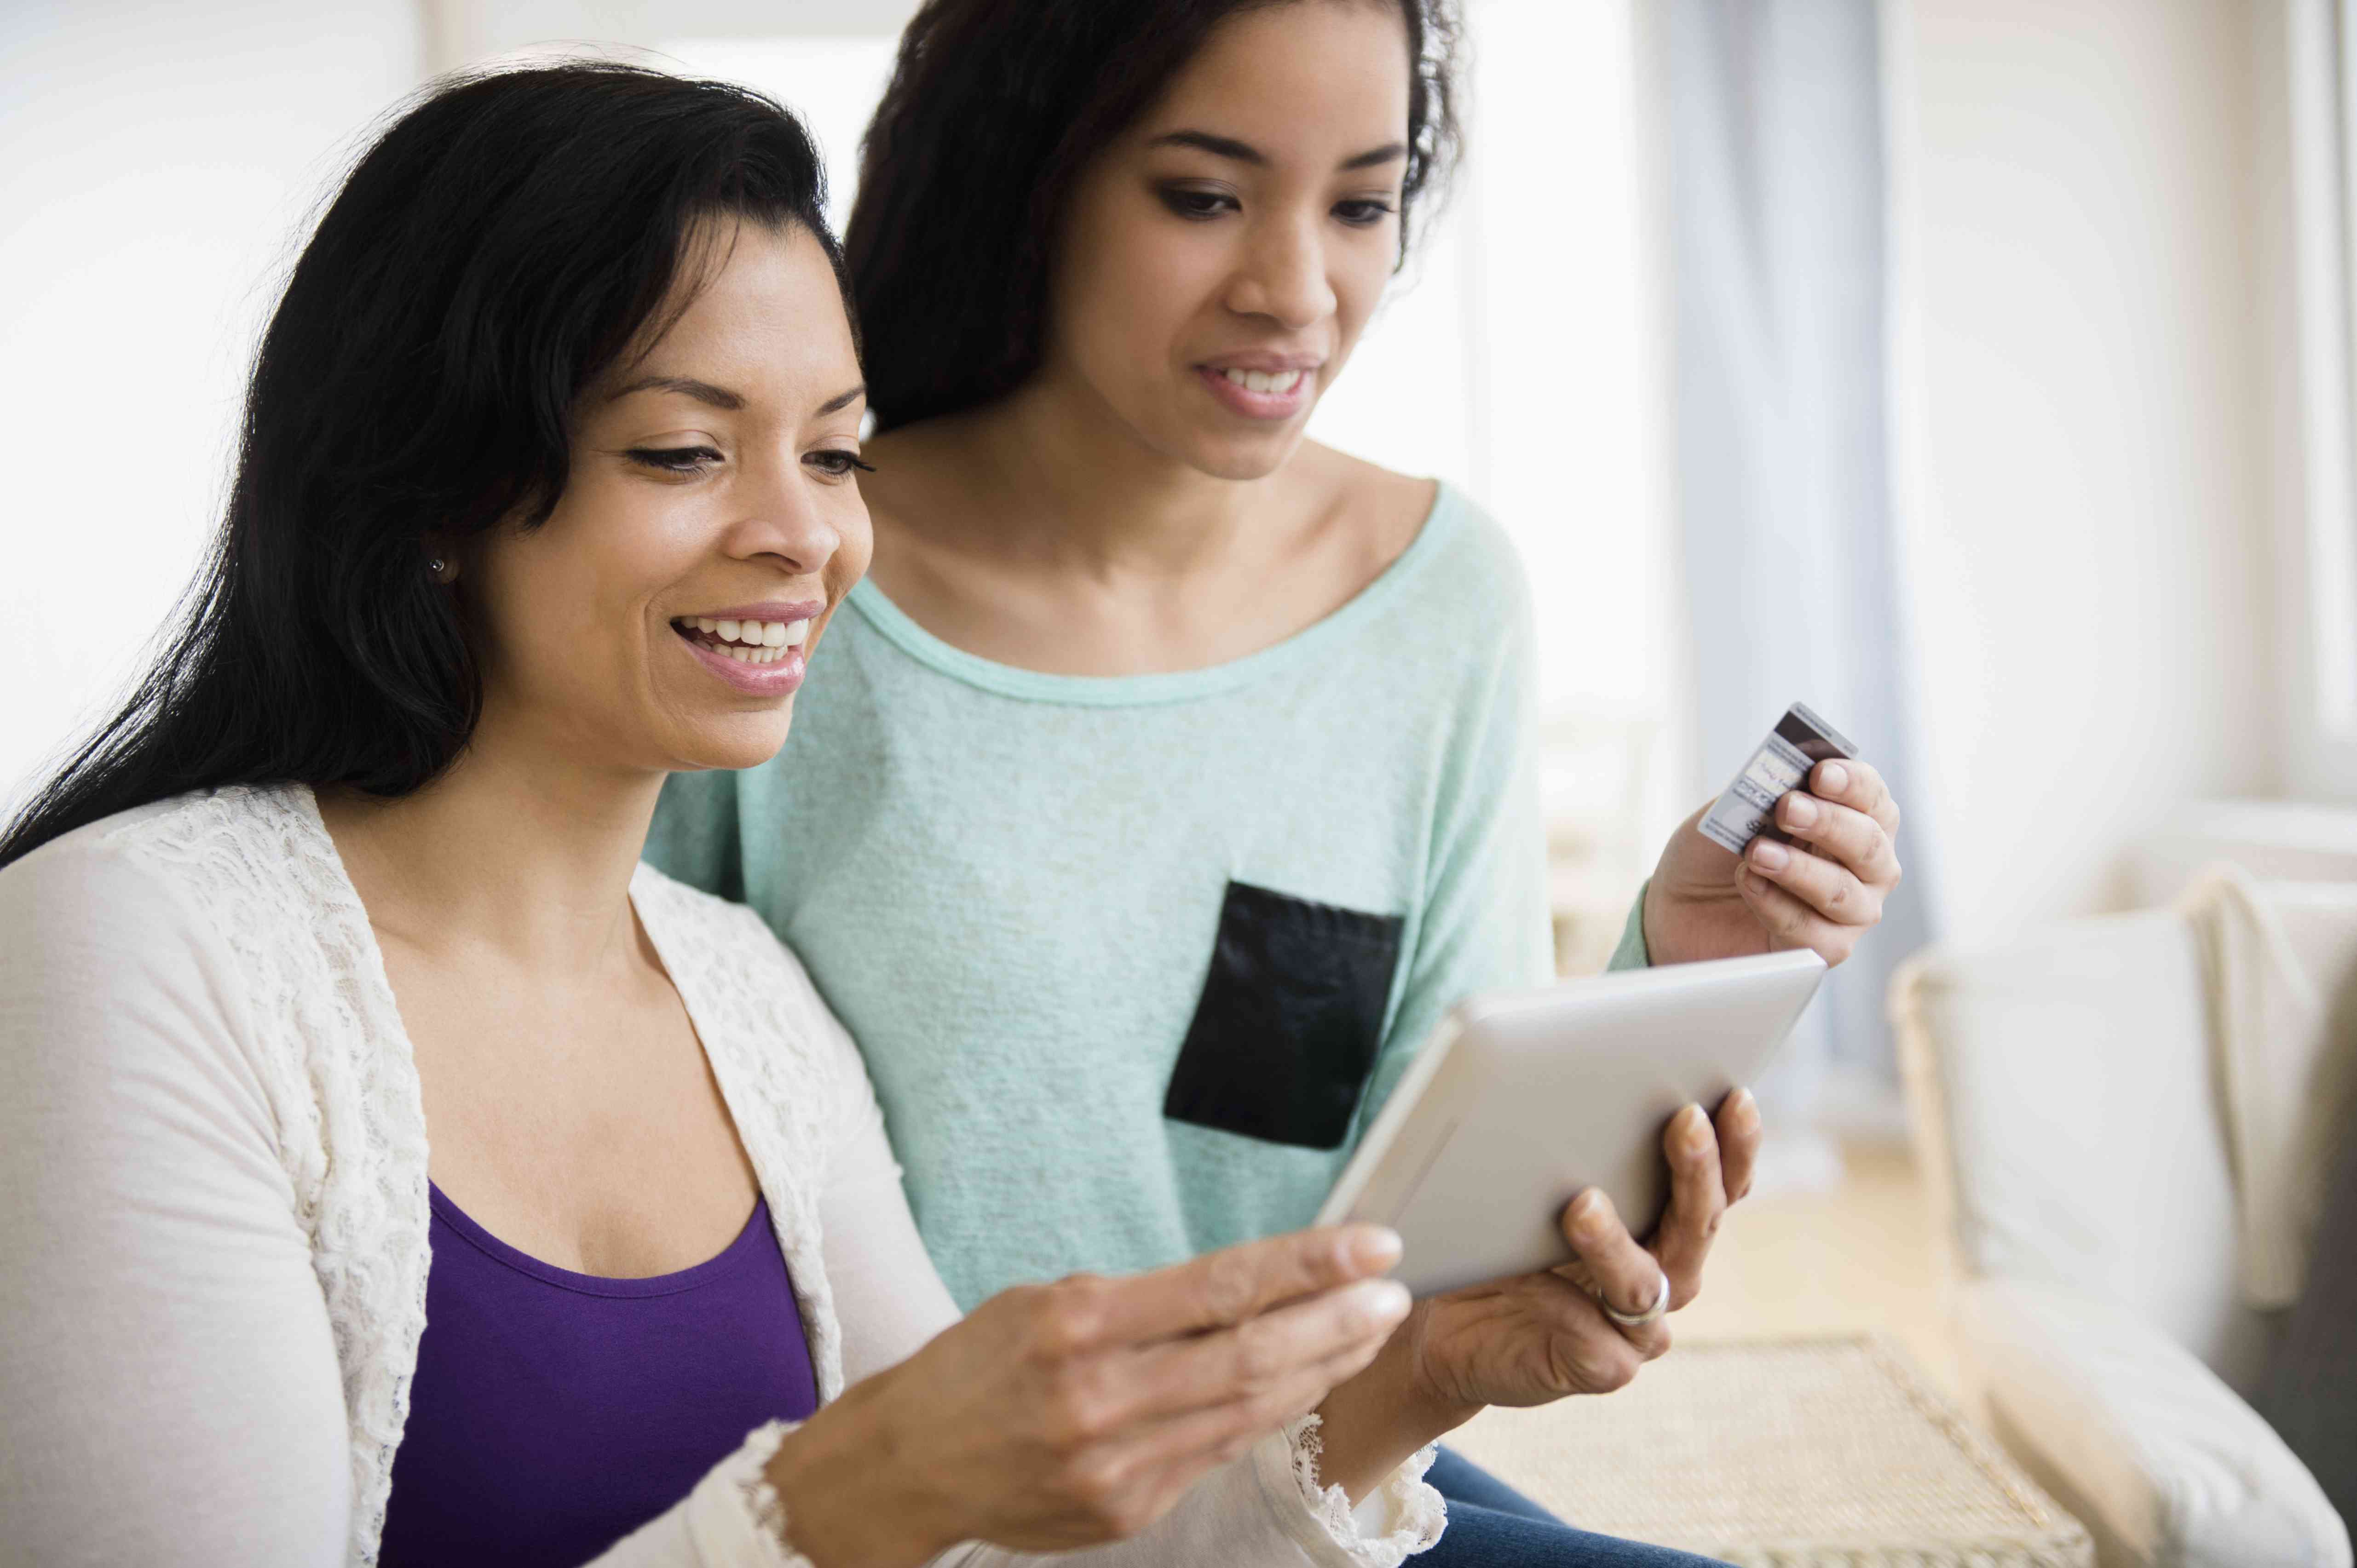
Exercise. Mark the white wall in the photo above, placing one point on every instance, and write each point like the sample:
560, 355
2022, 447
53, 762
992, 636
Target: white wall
157, 162
2084, 444
469, 32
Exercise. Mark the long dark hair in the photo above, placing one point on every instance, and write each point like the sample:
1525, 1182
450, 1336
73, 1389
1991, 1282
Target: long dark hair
496, 250
993, 109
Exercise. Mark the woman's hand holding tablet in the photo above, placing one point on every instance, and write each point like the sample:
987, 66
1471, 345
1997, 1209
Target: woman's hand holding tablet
1540, 1336
1557, 1184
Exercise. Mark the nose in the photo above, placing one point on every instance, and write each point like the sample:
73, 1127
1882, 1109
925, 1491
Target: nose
1283, 273
781, 522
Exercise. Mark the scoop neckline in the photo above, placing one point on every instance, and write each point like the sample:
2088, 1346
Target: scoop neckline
439, 1205
895, 624
447, 1209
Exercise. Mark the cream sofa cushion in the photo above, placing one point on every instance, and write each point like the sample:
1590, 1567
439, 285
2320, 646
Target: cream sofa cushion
2063, 1090
2163, 1464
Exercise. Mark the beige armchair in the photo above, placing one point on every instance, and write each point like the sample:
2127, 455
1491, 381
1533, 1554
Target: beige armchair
2065, 1090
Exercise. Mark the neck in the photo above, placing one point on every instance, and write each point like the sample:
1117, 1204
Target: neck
1081, 489
514, 851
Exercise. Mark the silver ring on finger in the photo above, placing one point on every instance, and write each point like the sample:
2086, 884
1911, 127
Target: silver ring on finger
1652, 1313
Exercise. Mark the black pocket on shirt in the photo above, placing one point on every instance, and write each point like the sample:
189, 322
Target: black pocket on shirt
1291, 1015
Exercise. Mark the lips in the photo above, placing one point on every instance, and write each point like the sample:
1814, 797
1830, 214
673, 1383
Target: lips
756, 649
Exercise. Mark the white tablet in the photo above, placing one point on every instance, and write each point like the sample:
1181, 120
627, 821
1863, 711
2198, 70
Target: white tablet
1523, 1100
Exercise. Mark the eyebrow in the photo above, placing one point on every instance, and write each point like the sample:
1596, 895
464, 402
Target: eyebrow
721, 397
1246, 152
686, 386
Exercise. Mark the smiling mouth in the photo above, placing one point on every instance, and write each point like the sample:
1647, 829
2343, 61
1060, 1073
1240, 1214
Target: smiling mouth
746, 641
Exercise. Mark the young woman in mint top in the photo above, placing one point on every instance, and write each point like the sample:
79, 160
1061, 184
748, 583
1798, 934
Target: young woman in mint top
1170, 774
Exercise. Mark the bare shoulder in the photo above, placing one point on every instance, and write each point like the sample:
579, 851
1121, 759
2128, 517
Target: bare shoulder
1379, 510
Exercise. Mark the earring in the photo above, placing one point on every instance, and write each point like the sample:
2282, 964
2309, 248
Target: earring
434, 565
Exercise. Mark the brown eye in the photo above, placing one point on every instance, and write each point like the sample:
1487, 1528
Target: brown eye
674, 459
837, 463
1195, 202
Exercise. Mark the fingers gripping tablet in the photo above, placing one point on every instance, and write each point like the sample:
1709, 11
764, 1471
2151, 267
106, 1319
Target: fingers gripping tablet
1525, 1099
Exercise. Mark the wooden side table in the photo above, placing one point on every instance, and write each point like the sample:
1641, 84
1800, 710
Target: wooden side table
1826, 1453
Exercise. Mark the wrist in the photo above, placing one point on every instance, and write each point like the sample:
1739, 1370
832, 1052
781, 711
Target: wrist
848, 1498
1657, 923
1435, 1405
1371, 1424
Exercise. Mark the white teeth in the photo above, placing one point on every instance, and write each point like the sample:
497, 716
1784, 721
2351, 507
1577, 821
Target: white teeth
1264, 380
751, 641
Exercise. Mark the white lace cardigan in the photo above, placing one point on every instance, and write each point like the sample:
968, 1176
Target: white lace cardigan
213, 1213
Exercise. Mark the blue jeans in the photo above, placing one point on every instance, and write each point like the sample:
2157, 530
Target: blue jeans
1491, 1525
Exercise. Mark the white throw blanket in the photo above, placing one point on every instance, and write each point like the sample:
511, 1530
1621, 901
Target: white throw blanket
2282, 981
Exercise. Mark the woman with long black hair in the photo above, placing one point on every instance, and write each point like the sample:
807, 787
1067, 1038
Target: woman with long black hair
392, 1170
1173, 776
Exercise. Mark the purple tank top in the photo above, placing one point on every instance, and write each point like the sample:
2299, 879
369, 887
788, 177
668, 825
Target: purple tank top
554, 1413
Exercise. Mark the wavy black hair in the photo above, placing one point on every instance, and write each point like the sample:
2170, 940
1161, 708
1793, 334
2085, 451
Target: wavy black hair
993, 109
497, 249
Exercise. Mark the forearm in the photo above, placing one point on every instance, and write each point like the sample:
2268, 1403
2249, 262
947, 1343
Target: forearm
1374, 1423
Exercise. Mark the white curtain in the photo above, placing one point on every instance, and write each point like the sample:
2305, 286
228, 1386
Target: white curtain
1776, 205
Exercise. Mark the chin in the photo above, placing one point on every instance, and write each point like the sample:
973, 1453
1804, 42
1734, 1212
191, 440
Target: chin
1253, 457
738, 741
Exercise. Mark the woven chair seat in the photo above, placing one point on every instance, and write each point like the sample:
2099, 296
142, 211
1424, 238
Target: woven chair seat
1822, 1452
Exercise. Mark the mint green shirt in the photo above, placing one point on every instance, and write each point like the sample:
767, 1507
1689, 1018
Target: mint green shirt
1014, 888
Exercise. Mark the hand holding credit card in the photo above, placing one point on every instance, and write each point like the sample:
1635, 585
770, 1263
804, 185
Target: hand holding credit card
1813, 830
1799, 742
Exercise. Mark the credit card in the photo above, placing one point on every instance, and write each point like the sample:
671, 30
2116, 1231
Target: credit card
1799, 742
